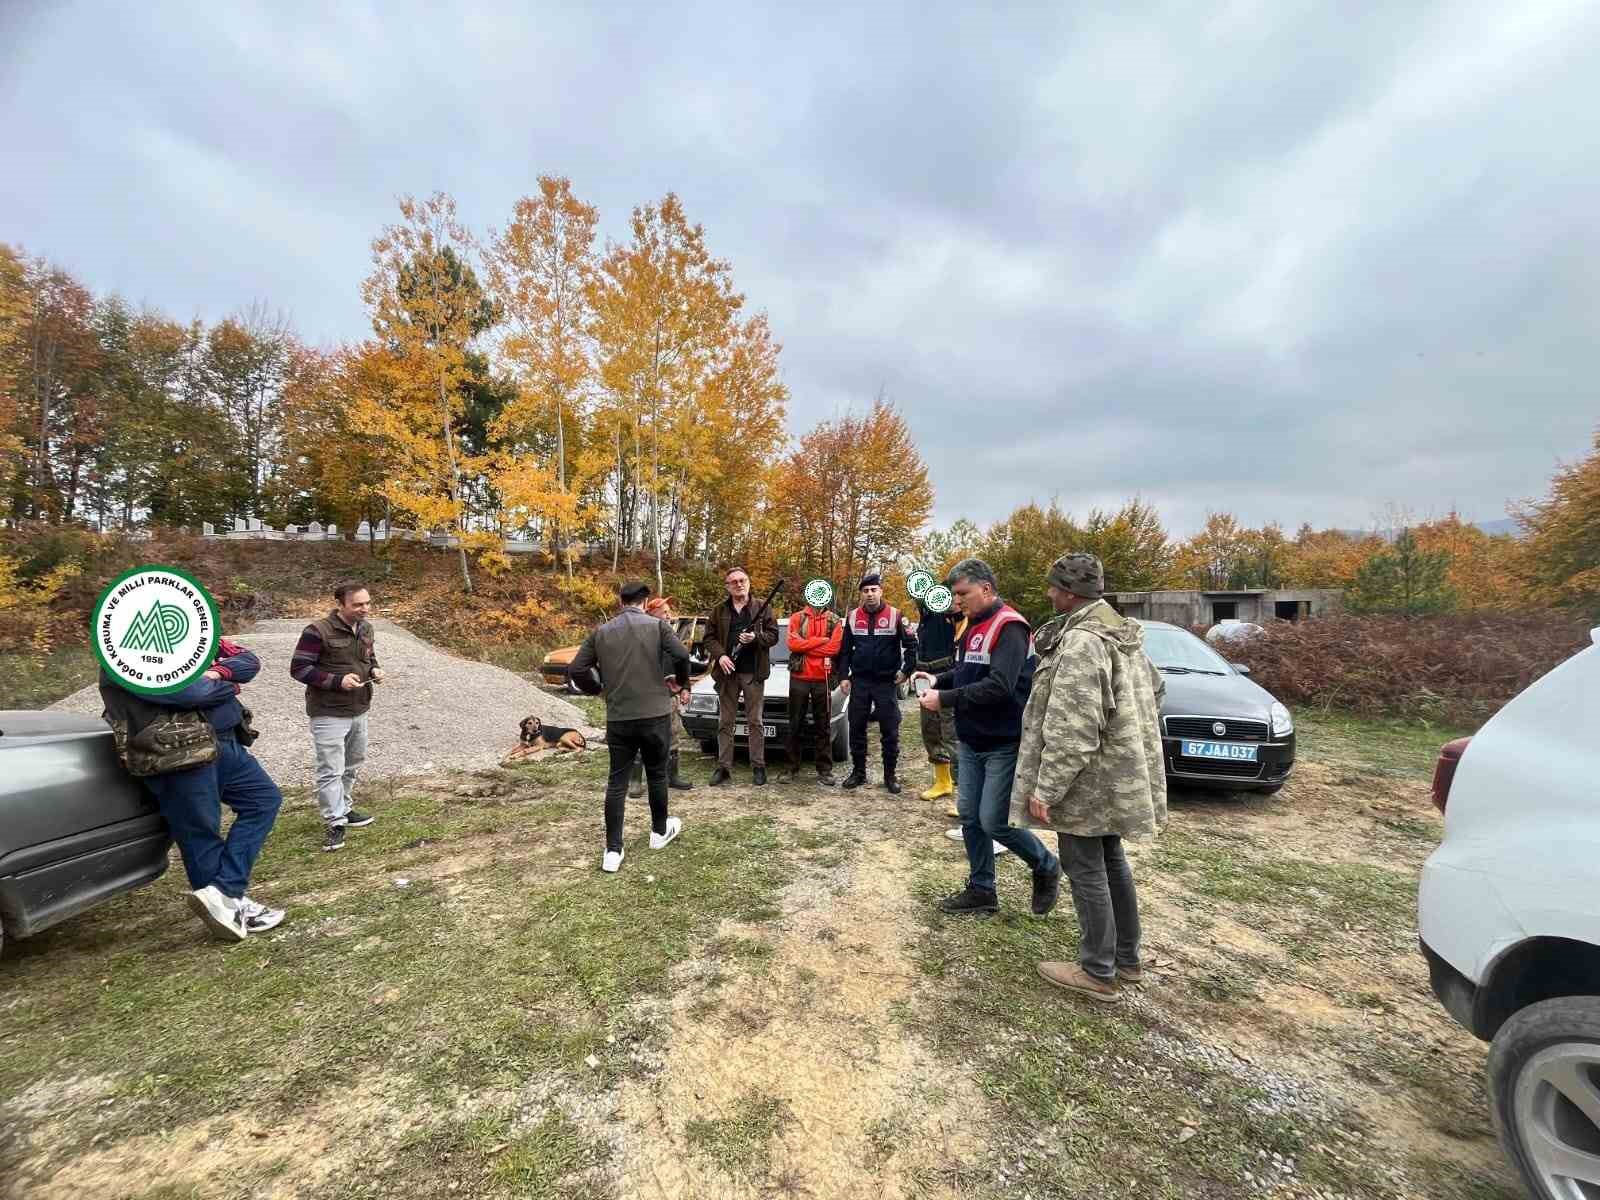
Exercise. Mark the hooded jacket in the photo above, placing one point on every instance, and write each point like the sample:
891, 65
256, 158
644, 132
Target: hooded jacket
1091, 732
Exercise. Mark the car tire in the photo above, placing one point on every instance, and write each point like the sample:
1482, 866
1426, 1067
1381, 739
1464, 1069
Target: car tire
1541, 1051
841, 743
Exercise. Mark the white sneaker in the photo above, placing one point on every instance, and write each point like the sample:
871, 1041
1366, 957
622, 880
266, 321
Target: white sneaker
674, 828
258, 918
222, 916
611, 861
955, 836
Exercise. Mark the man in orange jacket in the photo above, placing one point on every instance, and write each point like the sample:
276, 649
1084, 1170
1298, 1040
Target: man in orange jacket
814, 638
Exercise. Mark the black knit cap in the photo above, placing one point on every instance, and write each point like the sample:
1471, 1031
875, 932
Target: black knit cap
870, 579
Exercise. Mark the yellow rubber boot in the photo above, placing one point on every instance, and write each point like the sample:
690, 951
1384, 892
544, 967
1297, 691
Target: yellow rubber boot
942, 785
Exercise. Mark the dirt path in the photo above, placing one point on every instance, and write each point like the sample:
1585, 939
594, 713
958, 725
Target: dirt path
433, 710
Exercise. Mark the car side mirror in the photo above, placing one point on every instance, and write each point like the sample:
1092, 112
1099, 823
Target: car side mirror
1240, 667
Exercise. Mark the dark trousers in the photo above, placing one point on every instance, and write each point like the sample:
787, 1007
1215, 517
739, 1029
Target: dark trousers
810, 696
1108, 907
191, 802
649, 739
873, 700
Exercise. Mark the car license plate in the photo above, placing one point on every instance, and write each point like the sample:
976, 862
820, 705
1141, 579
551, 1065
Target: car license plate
1227, 751
743, 730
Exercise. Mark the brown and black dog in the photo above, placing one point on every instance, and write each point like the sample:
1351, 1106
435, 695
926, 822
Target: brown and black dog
538, 739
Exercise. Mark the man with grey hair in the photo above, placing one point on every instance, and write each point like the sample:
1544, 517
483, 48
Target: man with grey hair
987, 689
1089, 767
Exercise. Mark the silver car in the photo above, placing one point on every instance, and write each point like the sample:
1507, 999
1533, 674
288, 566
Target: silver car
75, 828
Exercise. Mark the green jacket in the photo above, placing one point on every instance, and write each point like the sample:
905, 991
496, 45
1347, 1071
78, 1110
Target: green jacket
1091, 733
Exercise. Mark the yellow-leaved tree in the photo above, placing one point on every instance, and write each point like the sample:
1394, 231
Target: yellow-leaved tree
427, 308
540, 268
663, 316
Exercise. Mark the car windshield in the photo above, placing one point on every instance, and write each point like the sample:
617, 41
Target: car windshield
1176, 650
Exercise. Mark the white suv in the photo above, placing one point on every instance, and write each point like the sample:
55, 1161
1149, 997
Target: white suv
1509, 911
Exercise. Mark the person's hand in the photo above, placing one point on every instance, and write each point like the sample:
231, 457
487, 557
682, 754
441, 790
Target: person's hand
1038, 810
683, 698
746, 638
377, 674
350, 683
929, 701
725, 665
844, 686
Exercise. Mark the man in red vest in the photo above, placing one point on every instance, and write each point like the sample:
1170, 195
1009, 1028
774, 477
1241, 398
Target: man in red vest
877, 653
815, 636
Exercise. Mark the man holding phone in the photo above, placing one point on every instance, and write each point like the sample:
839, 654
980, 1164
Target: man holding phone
338, 663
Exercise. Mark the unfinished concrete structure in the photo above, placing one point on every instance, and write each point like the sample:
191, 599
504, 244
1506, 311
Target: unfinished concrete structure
1205, 608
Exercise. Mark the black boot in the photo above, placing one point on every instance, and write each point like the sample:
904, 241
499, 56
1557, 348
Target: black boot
857, 777
970, 900
720, 776
758, 776
674, 779
636, 782
890, 783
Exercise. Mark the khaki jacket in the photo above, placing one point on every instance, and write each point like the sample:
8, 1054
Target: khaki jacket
1091, 733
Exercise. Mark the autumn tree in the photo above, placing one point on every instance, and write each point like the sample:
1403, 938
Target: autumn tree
244, 364
663, 313
1327, 558
541, 268
1212, 559
1560, 559
853, 495
427, 308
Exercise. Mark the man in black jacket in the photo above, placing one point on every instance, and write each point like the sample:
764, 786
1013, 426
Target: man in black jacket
628, 652
877, 653
988, 689
191, 798
739, 639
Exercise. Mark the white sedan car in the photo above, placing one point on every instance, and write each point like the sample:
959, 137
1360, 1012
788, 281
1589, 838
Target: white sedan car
1509, 911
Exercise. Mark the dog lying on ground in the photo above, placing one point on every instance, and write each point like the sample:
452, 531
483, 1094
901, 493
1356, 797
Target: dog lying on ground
538, 740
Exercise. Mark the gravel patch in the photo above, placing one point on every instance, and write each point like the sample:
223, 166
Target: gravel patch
432, 710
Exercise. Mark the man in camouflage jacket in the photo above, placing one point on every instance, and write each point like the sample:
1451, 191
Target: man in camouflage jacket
1089, 767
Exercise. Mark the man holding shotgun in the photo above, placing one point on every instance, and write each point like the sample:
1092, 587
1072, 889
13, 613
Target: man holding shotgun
739, 641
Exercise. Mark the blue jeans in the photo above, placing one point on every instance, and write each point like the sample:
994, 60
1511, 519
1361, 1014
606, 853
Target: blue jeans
983, 783
192, 800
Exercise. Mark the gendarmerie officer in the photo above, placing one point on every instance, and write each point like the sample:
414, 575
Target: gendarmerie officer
877, 653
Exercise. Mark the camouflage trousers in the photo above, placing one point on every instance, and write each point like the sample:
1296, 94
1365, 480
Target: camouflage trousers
939, 728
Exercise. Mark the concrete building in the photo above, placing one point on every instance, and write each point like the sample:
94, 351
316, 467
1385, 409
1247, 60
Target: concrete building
1256, 605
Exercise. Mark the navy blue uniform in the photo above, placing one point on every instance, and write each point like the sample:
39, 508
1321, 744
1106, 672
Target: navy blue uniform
877, 647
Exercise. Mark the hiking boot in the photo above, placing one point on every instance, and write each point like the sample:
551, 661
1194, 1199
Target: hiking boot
1046, 891
222, 916
675, 780
258, 918
759, 777
1074, 978
720, 776
357, 820
636, 781
891, 785
674, 828
1133, 975
855, 779
333, 838
611, 862
970, 900
825, 778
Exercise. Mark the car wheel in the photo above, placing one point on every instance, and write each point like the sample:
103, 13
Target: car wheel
1544, 1085
841, 743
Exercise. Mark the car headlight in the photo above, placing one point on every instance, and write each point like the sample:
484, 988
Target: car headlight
702, 704
1282, 722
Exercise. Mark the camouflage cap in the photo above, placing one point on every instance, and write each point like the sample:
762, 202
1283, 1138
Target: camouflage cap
1080, 574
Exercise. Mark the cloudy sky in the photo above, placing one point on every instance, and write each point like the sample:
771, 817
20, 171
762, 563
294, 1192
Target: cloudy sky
1296, 261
